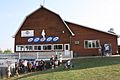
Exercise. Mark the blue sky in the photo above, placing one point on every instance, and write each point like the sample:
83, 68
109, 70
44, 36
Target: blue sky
98, 14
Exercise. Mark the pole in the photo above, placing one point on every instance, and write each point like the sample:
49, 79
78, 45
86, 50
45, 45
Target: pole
37, 55
19, 56
9, 72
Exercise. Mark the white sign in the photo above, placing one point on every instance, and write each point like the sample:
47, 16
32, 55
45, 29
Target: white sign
27, 33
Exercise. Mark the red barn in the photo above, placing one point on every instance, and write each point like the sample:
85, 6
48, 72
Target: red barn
46, 32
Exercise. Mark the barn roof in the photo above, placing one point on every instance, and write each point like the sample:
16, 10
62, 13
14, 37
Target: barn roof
65, 23
51, 12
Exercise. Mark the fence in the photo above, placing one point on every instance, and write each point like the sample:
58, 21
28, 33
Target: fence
37, 55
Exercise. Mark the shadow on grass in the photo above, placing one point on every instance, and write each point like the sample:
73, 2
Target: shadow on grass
81, 63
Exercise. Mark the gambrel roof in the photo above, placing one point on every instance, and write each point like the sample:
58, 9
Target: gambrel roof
49, 11
65, 23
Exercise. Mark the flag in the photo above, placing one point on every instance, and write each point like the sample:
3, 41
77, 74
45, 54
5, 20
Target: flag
43, 34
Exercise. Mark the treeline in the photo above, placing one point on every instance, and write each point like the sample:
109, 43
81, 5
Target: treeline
6, 51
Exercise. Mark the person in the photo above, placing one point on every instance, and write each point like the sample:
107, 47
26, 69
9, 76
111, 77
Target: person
12, 69
56, 57
34, 66
29, 65
25, 66
16, 68
41, 65
60, 59
100, 51
68, 64
56, 63
37, 65
52, 61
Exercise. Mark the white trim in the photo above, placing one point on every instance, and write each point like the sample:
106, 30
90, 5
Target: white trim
37, 46
19, 27
91, 41
28, 49
33, 47
58, 49
68, 27
68, 47
18, 48
91, 28
47, 45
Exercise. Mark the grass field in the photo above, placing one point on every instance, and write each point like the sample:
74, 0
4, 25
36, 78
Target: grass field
102, 68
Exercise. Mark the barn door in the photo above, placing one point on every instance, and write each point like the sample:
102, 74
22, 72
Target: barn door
67, 49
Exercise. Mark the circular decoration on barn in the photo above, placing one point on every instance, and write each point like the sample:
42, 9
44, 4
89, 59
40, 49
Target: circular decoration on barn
42, 39
49, 39
37, 39
55, 39
30, 39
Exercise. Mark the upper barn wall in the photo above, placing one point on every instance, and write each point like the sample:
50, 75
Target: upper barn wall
47, 20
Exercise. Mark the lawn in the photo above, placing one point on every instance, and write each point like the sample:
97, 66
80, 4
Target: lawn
102, 68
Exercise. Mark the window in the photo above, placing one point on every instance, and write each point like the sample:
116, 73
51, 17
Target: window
47, 47
91, 44
19, 47
44, 47
77, 42
38, 47
66, 46
28, 48
58, 47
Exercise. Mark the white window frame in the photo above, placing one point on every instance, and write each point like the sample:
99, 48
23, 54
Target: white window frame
68, 47
37, 49
28, 49
91, 42
18, 49
58, 49
47, 45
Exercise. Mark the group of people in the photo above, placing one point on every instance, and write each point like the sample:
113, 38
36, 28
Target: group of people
30, 66
54, 62
25, 66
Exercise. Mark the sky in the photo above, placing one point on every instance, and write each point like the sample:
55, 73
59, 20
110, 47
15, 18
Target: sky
97, 14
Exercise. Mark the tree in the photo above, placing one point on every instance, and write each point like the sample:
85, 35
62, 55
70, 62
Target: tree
111, 30
1, 51
8, 51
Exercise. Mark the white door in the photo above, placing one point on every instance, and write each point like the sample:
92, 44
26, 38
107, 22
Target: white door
67, 49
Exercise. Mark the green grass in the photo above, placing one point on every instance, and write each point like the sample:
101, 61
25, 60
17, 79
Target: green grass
103, 68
